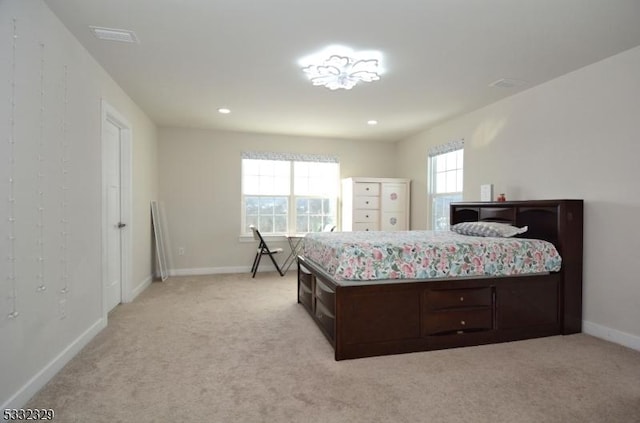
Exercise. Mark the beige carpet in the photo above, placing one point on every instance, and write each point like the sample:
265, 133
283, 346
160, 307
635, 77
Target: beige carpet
228, 348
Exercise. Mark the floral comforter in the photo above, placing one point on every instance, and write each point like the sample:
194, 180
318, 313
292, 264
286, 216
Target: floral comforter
367, 256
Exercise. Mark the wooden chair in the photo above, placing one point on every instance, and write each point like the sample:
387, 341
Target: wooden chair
262, 250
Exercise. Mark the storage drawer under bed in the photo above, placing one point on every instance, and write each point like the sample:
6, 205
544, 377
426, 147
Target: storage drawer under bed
458, 310
436, 299
461, 320
304, 296
325, 318
325, 295
305, 287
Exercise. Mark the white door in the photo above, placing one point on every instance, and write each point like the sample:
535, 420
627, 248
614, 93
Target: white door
112, 139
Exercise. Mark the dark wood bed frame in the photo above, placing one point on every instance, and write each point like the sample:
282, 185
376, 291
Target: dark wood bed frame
409, 316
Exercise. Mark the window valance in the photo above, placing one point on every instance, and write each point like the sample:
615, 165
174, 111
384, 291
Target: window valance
296, 157
446, 148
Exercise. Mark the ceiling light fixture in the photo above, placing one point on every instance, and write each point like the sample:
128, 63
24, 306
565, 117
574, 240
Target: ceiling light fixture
224, 110
372, 122
110, 34
338, 67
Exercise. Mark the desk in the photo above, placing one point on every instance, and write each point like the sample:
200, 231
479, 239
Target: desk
295, 242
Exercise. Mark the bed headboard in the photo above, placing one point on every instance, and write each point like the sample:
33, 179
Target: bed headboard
557, 221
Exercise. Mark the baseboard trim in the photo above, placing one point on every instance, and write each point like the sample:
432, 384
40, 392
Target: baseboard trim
24, 394
613, 335
138, 289
209, 271
217, 270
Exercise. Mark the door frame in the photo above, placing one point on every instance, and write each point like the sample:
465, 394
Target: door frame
110, 114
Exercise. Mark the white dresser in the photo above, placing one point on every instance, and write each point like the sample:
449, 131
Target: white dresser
375, 204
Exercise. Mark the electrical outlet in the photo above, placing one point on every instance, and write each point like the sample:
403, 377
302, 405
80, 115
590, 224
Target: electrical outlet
181, 251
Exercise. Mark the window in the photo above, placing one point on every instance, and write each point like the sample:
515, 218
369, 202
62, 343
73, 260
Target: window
445, 182
288, 194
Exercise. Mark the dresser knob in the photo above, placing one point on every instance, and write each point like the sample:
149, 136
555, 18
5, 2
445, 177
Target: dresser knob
367, 215
366, 202
462, 322
461, 298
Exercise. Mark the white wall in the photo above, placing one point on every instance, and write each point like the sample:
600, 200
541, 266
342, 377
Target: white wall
577, 136
44, 335
200, 189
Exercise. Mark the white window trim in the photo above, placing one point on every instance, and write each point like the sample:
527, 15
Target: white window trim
431, 195
291, 158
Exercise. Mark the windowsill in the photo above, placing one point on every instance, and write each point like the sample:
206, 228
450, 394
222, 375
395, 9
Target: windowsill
273, 238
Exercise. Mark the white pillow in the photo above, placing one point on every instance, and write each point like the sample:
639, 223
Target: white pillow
494, 229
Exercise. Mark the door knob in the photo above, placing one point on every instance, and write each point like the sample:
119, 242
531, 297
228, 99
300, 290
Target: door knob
121, 225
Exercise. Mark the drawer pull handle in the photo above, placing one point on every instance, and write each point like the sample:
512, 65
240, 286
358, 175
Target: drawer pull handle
367, 215
461, 298
366, 202
462, 322
367, 189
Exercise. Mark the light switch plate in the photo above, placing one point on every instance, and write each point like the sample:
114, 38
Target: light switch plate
486, 192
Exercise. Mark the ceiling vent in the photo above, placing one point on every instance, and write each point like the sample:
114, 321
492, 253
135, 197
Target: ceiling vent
507, 83
109, 34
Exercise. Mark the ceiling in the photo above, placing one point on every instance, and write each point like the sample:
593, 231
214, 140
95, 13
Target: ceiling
195, 56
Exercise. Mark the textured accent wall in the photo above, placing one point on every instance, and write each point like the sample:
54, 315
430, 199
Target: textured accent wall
50, 195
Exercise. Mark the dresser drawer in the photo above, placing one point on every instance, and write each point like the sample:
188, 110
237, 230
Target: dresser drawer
361, 202
325, 318
462, 320
366, 215
437, 299
366, 226
366, 188
325, 295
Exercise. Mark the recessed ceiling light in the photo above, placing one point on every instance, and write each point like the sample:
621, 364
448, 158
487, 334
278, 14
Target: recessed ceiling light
224, 110
110, 34
372, 122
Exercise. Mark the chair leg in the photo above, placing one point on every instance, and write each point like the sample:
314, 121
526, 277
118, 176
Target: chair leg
255, 260
275, 264
255, 269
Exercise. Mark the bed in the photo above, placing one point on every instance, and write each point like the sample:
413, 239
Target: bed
364, 312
